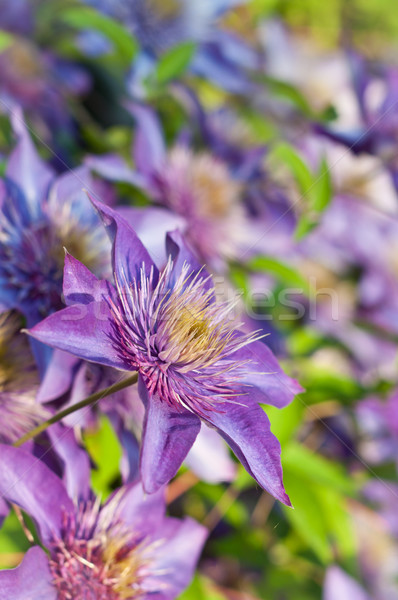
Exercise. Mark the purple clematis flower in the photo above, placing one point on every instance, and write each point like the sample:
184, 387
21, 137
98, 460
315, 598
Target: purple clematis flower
377, 131
126, 548
39, 216
159, 25
193, 365
208, 458
198, 188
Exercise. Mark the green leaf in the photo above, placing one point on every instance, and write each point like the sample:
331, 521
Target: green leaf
286, 154
311, 467
83, 18
284, 423
284, 273
6, 40
105, 450
174, 62
288, 92
201, 588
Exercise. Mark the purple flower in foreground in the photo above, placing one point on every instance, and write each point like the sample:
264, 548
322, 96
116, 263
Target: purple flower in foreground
193, 365
125, 549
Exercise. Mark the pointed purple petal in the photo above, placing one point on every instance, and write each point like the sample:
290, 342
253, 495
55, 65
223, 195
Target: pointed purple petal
140, 511
31, 580
58, 378
81, 286
85, 330
149, 148
76, 463
31, 485
262, 371
246, 428
177, 248
114, 168
26, 168
151, 225
128, 253
182, 543
168, 435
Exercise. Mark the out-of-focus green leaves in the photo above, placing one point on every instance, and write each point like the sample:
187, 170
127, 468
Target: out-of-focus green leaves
104, 449
85, 18
315, 188
317, 469
318, 489
6, 40
282, 272
13, 541
174, 62
284, 423
201, 588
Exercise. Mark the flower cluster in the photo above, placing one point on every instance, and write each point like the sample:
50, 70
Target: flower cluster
198, 302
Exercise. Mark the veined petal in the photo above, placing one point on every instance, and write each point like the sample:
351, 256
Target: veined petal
177, 248
152, 225
246, 428
128, 252
31, 580
140, 511
85, 330
168, 435
27, 482
81, 286
263, 372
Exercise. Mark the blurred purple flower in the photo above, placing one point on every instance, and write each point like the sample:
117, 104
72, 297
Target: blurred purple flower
340, 586
40, 215
126, 548
159, 25
192, 362
19, 382
376, 89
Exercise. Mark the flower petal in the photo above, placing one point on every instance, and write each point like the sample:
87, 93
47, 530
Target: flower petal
262, 371
149, 146
26, 168
26, 481
177, 248
31, 580
140, 511
178, 554
128, 253
246, 428
77, 479
168, 435
114, 168
85, 330
152, 225
209, 457
339, 586
58, 377
81, 286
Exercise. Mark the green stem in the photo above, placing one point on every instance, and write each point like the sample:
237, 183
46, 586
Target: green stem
116, 387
